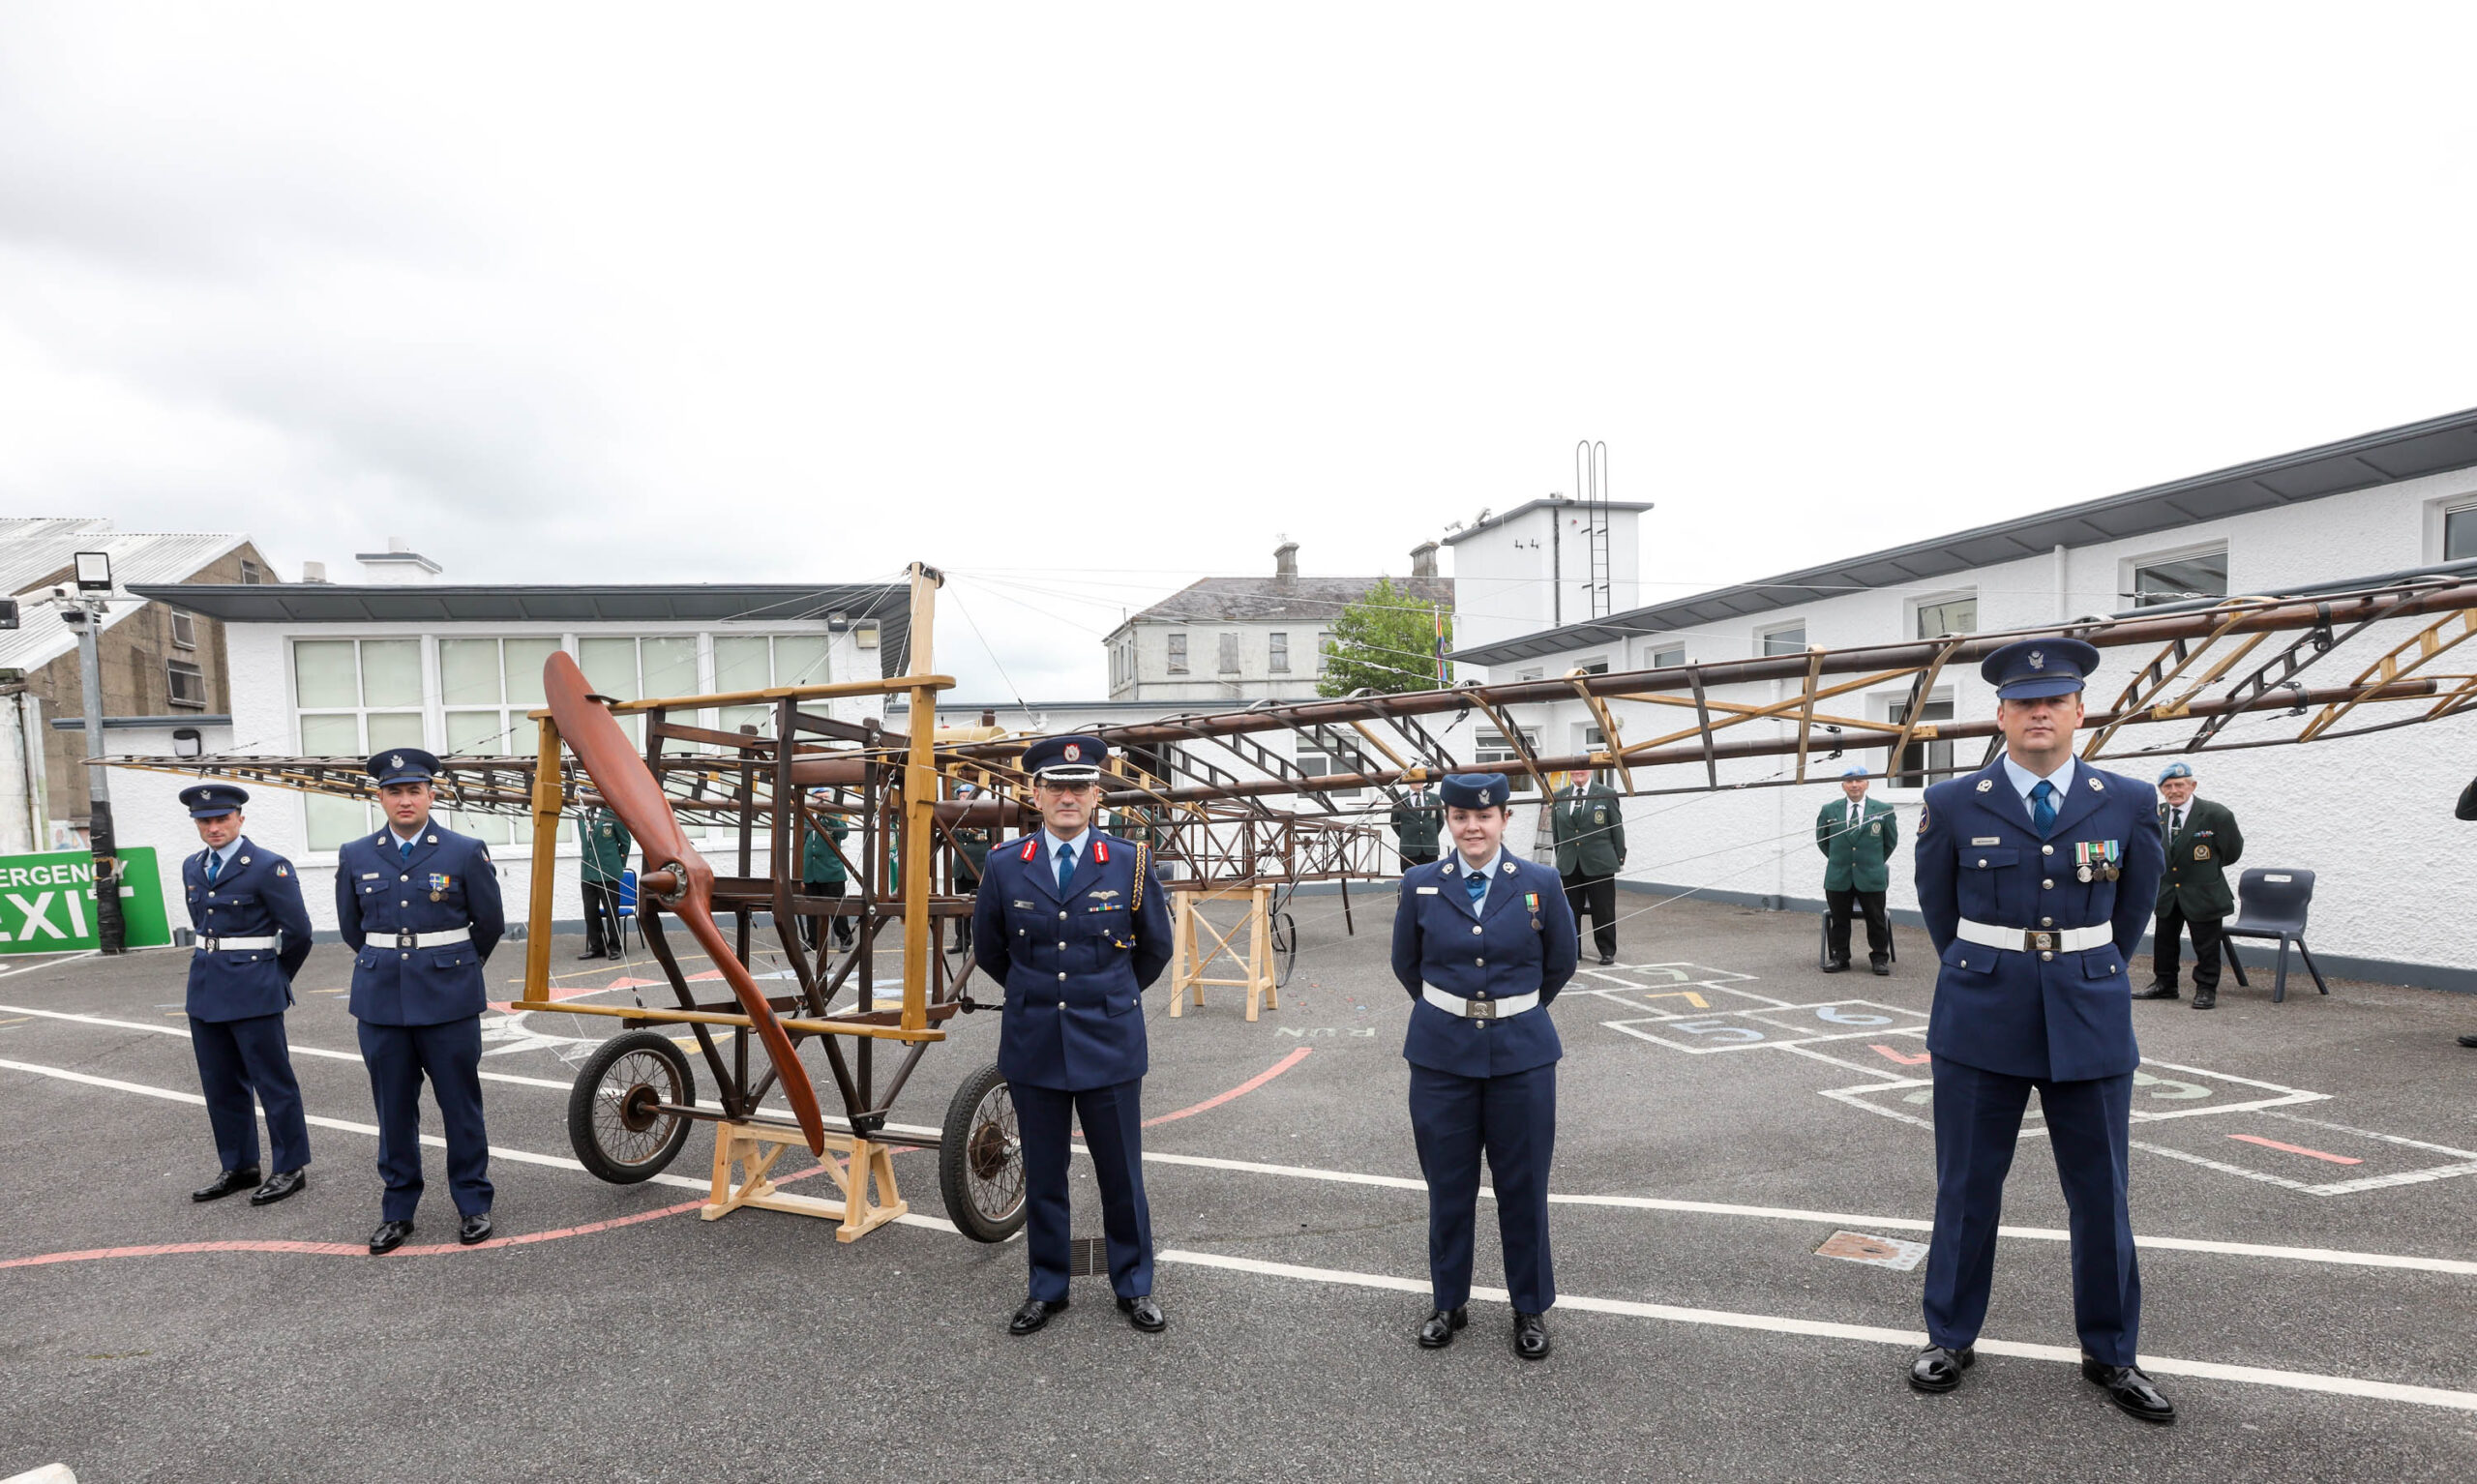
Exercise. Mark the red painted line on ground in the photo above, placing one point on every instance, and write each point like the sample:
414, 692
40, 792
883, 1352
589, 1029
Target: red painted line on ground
1903, 1057
1240, 1091
2295, 1149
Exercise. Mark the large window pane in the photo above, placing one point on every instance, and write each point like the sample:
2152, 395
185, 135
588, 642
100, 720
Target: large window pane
333, 821
800, 658
610, 666
394, 728
733, 718
1789, 640
391, 672
670, 665
331, 736
1948, 615
2459, 534
323, 674
469, 672
2181, 581
742, 664
524, 659
475, 733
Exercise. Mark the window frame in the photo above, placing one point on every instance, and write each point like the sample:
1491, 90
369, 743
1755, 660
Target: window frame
1765, 634
1229, 652
173, 671
1892, 773
184, 630
1658, 656
1277, 651
2129, 571
1174, 650
1918, 607
2444, 509
1516, 774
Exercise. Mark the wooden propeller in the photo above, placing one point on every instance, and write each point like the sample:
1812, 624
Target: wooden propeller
630, 788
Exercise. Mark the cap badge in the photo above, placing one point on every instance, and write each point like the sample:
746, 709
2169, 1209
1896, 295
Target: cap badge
1073, 752
2038, 659
396, 761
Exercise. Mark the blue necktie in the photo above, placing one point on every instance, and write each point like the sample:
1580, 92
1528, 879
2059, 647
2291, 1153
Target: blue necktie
403, 850
1065, 867
214, 867
2043, 806
1478, 886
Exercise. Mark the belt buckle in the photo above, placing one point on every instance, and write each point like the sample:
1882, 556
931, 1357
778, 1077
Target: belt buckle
404, 941
206, 945
2043, 942
1480, 1009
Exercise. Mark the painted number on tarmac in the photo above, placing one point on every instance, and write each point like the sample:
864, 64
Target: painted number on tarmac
1780, 1025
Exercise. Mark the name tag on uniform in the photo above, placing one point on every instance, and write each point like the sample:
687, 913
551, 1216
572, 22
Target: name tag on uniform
1987, 839
1424, 891
370, 876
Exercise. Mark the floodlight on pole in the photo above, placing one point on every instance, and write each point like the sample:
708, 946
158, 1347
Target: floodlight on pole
94, 572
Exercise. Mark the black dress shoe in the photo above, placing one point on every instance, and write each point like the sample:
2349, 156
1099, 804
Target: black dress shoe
1883, 970
1531, 1336
1937, 1369
473, 1229
1606, 959
1034, 1315
285, 1182
2205, 999
2157, 989
227, 1183
1437, 1331
389, 1236
2469, 1041
1837, 966
2130, 1390
591, 953
1143, 1313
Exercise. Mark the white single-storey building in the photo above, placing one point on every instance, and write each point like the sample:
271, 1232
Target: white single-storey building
2373, 816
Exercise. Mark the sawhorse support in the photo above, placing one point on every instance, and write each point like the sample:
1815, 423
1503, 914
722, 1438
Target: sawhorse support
756, 1146
1187, 963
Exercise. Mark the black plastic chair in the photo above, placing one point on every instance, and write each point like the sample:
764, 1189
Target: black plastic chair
1857, 925
2271, 904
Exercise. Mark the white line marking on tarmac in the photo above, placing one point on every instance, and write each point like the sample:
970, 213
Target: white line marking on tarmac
28, 968
343, 1125
2296, 1381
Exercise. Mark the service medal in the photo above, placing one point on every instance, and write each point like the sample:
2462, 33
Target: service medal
437, 896
2082, 874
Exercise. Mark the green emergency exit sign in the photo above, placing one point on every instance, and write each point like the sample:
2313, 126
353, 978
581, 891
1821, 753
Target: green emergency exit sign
48, 901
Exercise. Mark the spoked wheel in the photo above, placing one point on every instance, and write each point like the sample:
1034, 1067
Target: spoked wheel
1285, 942
613, 1122
980, 1160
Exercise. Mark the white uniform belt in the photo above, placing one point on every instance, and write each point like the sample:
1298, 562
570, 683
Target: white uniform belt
220, 944
424, 939
2037, 939
1478, 1009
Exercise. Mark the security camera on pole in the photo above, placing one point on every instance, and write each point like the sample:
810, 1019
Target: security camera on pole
83, 607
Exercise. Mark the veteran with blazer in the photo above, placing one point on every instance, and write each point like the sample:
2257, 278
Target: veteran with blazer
2202, 843
1072, 923
2036, 876
1419, 823
419, 904
252, 937
1857, 836
1588, 824
1482, 941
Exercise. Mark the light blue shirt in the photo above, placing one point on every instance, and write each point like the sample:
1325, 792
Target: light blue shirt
1074, 849
2023, 780
221, 861
1486, 873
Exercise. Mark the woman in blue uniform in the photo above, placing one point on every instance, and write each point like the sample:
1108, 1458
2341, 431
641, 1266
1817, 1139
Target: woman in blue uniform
1482, 941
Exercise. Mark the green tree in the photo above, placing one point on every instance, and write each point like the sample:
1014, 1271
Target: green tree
1387, 642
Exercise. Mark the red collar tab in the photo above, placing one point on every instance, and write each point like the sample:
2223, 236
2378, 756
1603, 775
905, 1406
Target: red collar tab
1100, 850
1031, 845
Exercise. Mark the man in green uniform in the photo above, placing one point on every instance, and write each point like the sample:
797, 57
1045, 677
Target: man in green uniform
1418, 823
972, 859
605, 854
1588, 825
1856, 834
822, 870
2202, 842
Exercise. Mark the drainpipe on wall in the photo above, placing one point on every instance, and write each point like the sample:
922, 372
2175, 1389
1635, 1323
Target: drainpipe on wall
2063, 589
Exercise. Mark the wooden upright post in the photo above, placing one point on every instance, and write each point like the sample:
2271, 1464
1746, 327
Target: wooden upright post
919, 805
546, 864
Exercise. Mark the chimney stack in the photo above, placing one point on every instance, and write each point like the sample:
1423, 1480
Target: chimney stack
1423, 559
314, 572
1286, 561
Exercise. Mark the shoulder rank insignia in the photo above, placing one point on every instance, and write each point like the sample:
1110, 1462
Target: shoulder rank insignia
1984, 783
2097, 786
1922, 818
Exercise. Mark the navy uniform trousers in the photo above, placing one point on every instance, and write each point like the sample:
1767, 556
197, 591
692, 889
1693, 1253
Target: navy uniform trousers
450, 1055
239, 1058
1513, 1118
1113, 1119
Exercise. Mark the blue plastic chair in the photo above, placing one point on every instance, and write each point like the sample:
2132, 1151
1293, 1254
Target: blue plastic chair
628, 904
2272, 904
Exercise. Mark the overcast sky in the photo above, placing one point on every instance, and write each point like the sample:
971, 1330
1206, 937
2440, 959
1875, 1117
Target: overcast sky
1082, 303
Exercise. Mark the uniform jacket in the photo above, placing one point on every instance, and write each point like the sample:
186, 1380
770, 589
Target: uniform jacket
2069, 1018
605, 847
257, 896
1857, 859
1590, 831
379, 894
818, 860
1074, 963
1523, 939
2198, 858
1419, 822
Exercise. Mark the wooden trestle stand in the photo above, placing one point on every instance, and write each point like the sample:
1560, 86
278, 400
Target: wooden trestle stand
754, 1147
1254, 963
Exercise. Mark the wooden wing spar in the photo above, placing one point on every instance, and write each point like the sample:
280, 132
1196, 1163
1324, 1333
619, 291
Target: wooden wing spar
631, 791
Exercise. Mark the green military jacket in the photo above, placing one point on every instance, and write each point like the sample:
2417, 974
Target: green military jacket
605, 846
1419, 822
972, 857
818, 861
2198, 860
1589, 830
1857, 859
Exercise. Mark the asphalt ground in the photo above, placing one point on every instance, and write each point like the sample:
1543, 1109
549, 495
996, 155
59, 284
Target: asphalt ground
2313, 1318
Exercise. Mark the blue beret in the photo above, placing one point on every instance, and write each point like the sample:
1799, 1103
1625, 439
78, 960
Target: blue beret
2040, 667
1475, 790
2174, 770
1854, 770
206, 801
404, 765
1066, 759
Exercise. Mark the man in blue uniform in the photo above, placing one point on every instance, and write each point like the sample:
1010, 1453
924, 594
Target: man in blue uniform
1071, 922
420, 906
1482, 941
2036, 877
252, 937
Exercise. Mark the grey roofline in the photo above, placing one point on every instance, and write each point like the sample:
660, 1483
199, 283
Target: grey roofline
118, 722
2409, 452
1527, 506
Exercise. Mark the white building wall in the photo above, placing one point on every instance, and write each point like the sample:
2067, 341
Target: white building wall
1516, 577
2377, 895
1204, 680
